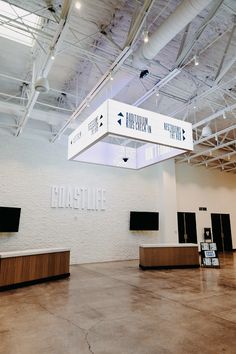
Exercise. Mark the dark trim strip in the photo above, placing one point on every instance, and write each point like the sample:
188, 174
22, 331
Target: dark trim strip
169, 267
33, 282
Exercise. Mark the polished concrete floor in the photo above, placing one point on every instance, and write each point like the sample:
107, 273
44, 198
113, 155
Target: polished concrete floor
115, 308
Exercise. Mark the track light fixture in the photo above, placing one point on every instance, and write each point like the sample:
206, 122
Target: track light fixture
157, 93
145, 36
196, 60
224, 115
78, 5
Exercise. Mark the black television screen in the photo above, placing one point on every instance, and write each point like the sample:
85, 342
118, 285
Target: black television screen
144, 220
9, 219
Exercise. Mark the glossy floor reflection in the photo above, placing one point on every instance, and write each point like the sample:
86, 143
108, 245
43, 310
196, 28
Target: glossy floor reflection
115, 308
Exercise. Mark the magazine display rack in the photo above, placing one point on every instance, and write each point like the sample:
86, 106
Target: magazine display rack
209, 255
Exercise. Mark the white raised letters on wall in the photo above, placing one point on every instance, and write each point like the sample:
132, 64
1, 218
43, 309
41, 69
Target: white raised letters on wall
83, 198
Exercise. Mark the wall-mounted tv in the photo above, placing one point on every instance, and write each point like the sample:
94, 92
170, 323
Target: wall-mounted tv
9, 219
144, 220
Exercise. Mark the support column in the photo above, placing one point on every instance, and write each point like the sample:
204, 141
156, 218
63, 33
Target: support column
168, 228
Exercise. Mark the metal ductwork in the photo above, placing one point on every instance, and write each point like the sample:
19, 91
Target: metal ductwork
175, 23
183, 15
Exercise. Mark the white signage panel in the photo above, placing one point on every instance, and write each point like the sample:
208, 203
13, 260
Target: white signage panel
137, 123
118, 134
91, 130
109, 155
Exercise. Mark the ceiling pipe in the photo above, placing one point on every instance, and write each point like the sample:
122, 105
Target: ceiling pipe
175, 23
166, 32
101, 91
48, 62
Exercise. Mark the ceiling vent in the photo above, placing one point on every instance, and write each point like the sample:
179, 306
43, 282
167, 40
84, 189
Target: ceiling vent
41, 84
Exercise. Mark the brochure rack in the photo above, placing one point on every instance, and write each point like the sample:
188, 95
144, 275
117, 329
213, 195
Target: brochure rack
209, 255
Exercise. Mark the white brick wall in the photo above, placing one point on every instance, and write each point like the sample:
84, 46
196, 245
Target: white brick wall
27, 170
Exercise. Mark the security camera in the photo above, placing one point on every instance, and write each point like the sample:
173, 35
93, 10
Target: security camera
125, 159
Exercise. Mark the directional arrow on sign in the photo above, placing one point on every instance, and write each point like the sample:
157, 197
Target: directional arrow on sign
100, 124
101, 116
121, 114
119, 121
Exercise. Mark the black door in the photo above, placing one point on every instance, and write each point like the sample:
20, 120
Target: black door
187, 227
221, 231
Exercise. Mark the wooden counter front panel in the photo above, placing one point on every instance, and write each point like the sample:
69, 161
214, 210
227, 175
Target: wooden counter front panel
168, 256
21, 269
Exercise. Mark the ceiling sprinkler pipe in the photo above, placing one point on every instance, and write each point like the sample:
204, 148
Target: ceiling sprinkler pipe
175, 23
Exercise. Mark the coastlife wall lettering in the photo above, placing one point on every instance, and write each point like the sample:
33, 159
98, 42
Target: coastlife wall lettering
75, 197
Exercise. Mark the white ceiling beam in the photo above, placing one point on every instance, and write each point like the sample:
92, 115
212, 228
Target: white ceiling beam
138, 22
104, 79
203, 95
224, 54
100, 84
226, 155
158, 85
220, 132
222, 164
189, 46
48, 62
207, 152
214, 116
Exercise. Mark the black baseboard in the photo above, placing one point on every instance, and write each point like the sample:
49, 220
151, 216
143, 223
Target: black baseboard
33, 282
169, 267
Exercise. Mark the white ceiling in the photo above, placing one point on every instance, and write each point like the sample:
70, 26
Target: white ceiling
103, 39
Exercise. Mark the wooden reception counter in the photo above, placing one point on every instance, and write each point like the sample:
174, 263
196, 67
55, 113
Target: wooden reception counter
27, 267
163, 256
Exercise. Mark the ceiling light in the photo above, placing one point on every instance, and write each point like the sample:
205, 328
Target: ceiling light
41, 84
229, 157
224, 115
78, 5
145, 36
87, 103
206, 131
196, 60
53, 55
157, 93
111, 77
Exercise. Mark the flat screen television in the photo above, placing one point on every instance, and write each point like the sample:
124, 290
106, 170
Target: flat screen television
9, 219
144, 220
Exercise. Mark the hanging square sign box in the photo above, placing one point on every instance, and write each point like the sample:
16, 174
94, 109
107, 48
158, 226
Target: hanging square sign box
121, 135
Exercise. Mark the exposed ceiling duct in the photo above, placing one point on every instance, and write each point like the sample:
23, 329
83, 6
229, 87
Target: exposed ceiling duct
175, 23
183, 15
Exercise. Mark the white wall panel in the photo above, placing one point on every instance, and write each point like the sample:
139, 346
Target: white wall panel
200, 187
30, 168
